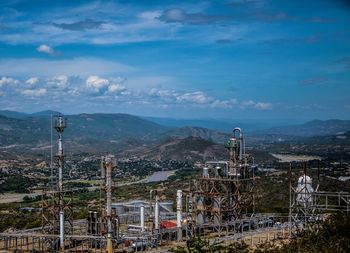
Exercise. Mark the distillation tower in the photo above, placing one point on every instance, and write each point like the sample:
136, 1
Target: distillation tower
109, 221
224, 193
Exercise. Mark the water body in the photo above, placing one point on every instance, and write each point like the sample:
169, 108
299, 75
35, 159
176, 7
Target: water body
160, 176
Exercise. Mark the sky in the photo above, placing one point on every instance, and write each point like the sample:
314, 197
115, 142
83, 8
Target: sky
242, 59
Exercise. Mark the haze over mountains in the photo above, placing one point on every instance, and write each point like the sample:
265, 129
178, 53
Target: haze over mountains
123, 132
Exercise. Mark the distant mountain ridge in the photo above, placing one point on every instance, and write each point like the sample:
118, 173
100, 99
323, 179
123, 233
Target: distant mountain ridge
219, 124
36, 129
22, 115
102, 132
311, 128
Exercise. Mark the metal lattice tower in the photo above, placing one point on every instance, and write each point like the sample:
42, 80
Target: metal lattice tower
57, 212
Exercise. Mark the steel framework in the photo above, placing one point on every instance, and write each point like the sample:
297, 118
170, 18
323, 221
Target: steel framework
307, 203
225, 191
56, 205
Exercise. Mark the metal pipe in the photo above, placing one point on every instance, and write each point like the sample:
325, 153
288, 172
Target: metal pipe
156, 213
179, 214
62, 231
241, 144
142, 218
150, 206
109, 197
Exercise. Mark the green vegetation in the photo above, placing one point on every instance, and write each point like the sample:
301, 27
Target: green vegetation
19, 220
18, 184
198, 245
332, 235
27, 199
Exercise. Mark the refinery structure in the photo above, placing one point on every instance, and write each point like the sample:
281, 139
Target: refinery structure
219, 204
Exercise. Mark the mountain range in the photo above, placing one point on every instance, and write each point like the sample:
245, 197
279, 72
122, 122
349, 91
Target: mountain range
121, 133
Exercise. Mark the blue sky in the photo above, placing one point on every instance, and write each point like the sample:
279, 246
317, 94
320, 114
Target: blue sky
243, 59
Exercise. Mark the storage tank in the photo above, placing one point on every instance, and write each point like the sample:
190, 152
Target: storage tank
200, 208
206, 172
304, 191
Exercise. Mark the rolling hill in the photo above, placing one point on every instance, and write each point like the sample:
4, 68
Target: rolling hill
189, 148
204, 133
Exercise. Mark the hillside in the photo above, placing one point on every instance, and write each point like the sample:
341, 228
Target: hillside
35, 131
204, 133
189, 148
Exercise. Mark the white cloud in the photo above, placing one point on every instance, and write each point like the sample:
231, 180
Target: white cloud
256, 105
8, 81
96, 83
32, 81
60, 81
72, 67
248, 103
168, 95
197, 97
263, 106
34, 93
224, 104
116, 88
45, 49
172, 96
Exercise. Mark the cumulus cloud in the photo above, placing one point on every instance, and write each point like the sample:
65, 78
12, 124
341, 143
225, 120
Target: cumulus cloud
45, 49
32, 81
225, 104
201, 99
116, 88
8, 81
197, 97
59, 82
114, 91
256, 105
34, 93
263, 106
178, 15
96, 83
104, 86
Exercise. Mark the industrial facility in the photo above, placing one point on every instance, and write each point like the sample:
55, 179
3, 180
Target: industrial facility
219, 203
